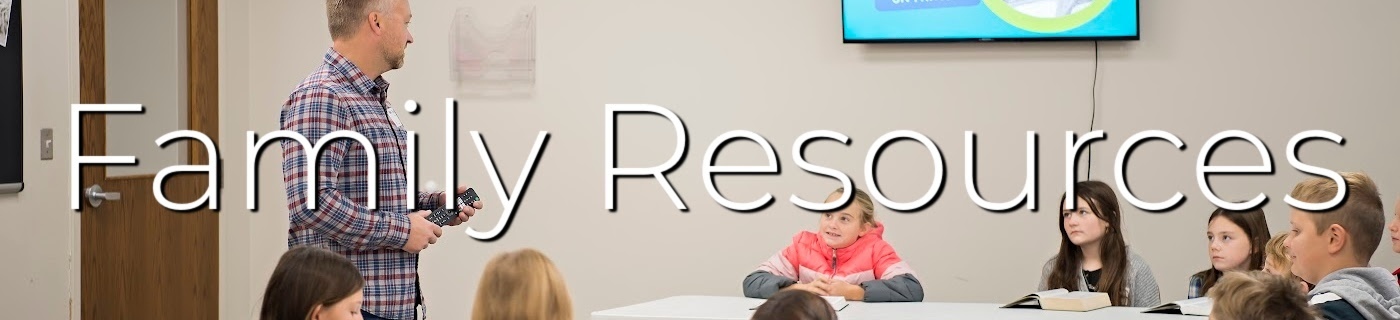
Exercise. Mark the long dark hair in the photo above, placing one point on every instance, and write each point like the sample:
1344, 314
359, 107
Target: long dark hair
1113, 250
795, 305
1256, 229
307, 277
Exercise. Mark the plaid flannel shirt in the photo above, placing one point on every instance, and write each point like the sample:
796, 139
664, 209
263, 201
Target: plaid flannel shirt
339, 96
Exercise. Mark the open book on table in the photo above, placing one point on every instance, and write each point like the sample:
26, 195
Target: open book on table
1062, 300
1194, 307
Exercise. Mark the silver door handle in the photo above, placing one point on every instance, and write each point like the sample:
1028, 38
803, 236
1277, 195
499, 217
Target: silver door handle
95, 195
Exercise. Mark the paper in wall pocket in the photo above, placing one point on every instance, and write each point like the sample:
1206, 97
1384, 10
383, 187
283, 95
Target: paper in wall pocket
891, 5
5, 13
493, 52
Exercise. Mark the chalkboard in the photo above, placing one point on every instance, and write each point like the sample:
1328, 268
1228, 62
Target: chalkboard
12, 103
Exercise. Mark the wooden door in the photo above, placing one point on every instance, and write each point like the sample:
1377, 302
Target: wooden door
140, 260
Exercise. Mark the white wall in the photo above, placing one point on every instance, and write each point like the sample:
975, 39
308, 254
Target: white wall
234, 218
39, 229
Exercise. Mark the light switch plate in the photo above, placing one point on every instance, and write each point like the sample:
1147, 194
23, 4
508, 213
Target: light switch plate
46, 144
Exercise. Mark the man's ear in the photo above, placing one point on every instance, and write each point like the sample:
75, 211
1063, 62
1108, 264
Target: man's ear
1336, 238
375, 22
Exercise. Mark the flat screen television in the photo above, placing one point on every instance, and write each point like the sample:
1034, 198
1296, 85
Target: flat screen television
988, 20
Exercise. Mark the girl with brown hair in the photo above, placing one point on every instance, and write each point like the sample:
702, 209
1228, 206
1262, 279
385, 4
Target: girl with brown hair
1236, 241
1093, 255
311, 283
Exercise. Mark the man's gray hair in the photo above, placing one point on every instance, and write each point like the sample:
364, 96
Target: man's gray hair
344, 16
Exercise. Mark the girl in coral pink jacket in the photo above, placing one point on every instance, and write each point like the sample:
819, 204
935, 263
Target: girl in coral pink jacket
846, 256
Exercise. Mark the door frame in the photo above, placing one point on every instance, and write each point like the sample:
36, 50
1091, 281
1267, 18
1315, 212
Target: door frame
202, 103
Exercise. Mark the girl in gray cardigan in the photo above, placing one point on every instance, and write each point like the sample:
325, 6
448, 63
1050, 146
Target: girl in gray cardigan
1093, 256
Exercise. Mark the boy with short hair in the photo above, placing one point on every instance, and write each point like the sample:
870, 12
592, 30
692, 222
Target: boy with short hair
1333, 249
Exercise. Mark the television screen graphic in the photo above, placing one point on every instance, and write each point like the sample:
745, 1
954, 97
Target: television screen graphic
988, 20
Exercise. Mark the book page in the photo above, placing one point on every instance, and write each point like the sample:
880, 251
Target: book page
1198, 306
1078, 295
1194, 302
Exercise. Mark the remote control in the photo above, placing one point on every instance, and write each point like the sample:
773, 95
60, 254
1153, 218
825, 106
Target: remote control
442, 215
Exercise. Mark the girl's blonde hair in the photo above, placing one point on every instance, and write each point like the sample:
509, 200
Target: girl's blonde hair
867, 207
522, 284
1276, 254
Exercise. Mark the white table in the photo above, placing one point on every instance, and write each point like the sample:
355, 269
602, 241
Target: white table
737, 308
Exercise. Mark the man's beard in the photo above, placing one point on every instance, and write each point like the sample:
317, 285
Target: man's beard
394, 61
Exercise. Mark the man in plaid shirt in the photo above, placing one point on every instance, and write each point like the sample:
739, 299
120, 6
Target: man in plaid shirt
346, 93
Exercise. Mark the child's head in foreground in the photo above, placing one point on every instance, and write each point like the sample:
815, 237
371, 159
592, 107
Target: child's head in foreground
313, 283
795, 305
522, 284
1256, 294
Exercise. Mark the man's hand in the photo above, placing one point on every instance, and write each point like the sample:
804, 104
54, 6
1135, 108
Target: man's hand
421, 232
463, 212
809, 287
840, 288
